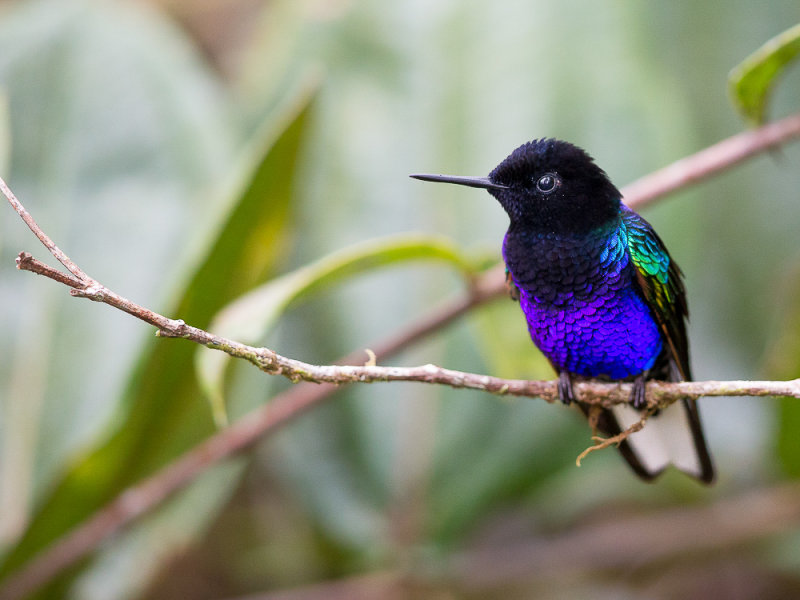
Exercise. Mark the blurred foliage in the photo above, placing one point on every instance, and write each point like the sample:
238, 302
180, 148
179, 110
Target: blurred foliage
783, 362
252, 316
157, 418
5, 135
751, 82
189, 153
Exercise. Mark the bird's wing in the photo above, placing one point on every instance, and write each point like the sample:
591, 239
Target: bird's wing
660, 281
675, 435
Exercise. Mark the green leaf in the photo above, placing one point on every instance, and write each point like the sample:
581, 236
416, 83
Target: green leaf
250, 317
751, 82
159, 416
119, 128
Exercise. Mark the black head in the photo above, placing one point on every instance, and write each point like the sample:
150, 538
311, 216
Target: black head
548, 185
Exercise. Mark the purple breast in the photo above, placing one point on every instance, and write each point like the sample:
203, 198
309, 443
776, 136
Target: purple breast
612, 335
582, 305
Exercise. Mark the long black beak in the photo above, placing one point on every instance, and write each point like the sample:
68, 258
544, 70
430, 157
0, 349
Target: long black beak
476, 182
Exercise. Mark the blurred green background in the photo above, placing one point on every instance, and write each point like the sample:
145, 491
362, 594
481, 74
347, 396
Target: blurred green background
184, 152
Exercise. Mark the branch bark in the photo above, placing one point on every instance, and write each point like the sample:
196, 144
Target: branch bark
141, 498
659, 393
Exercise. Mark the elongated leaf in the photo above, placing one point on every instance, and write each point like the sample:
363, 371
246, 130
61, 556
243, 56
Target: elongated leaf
751, 82
160, 417
118, 128
250, 317
116, 175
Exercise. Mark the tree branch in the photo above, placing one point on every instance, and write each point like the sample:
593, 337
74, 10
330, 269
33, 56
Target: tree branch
43, 237
711, 161
152, 491
269, 361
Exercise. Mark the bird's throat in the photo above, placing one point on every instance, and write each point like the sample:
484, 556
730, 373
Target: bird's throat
559, 267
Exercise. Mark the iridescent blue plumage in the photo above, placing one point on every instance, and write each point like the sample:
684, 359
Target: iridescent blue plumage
600, 294
582, 302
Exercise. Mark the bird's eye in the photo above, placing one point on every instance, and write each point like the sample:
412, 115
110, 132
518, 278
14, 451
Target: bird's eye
547, 183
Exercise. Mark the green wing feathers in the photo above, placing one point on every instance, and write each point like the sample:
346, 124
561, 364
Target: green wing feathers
661, 283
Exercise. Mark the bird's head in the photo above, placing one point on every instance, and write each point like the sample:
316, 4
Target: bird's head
550, 186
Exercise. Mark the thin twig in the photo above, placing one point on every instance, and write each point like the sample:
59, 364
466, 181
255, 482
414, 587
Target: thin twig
142, 497
26, 262
43, 237
601, 443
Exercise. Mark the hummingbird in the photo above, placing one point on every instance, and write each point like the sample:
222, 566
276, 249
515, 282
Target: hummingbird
601, 296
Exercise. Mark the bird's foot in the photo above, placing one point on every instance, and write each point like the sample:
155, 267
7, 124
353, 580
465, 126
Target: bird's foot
638, 394
565, 390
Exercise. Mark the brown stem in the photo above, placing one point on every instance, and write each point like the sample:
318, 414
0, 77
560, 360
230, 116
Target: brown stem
601, 443
43, 237
26, 262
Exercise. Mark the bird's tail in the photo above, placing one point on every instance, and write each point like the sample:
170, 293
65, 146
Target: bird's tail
674, 436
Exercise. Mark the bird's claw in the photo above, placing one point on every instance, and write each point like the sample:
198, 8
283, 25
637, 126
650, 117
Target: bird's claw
565, 391
638, 394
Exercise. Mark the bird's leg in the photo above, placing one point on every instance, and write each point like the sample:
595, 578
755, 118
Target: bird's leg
513, 291
638, 394
565, 391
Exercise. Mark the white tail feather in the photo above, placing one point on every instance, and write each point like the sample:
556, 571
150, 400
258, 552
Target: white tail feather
665, 439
